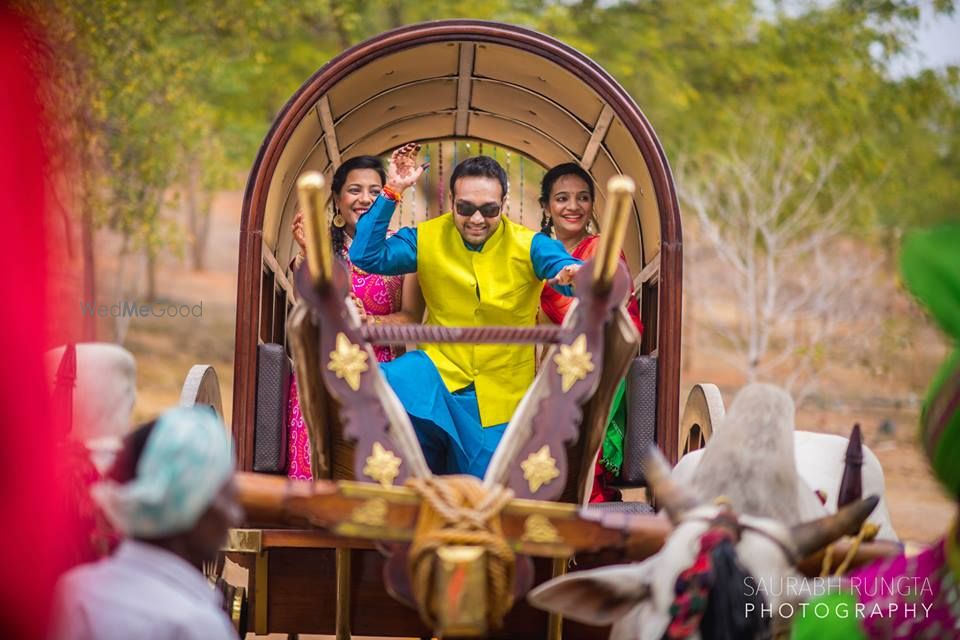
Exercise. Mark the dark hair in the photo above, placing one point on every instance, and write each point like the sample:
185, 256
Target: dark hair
546, 186
337, 234
124, 468
480, 167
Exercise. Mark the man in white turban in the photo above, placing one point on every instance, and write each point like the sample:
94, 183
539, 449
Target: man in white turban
172, 494
96, 383
92, 390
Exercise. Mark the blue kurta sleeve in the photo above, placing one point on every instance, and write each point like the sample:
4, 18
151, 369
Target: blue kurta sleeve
371, 249
548, 257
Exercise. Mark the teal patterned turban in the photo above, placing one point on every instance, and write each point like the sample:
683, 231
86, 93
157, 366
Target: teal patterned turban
187, 459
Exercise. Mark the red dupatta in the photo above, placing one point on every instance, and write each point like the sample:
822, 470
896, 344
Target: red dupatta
555, 304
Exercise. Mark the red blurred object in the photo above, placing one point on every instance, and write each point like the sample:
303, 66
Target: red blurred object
31, 518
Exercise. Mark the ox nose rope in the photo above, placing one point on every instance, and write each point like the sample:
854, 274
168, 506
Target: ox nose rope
867, 532
458, 510
694, 583
709, 594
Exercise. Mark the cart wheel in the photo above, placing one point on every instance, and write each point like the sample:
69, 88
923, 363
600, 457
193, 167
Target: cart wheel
238, 609
234, 598
202, 388
703, 411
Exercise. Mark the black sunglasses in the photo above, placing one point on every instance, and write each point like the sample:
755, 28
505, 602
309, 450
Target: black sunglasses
467, 209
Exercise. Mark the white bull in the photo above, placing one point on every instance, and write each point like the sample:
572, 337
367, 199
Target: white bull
763, 439
637, 598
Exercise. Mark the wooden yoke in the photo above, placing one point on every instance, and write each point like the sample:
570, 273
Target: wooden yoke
358, 511
363, 511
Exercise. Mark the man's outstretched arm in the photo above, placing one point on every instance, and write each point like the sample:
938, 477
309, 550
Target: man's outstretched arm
549, 257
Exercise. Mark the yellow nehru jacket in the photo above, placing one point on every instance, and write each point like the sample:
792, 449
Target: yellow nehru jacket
494, 286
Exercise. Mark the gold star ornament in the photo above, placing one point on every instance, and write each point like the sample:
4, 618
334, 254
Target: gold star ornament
382, 465
348, 361
539, 468
574, 362
538, 528
372, 513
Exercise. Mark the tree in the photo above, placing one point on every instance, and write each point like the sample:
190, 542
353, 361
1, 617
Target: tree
788, 286
163, 99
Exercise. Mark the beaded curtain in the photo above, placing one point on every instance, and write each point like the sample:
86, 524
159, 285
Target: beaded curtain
430, 197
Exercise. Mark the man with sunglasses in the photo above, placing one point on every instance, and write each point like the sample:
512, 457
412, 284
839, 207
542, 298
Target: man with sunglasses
476, 268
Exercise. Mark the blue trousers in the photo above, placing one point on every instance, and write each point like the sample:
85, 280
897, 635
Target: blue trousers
447, 424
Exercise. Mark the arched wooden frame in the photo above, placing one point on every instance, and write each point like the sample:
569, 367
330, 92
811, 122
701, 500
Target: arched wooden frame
660, 280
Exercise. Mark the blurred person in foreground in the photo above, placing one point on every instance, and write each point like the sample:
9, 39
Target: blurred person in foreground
93, 390
172, 494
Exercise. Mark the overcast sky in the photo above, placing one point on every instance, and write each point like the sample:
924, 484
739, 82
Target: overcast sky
938, 37
938, 44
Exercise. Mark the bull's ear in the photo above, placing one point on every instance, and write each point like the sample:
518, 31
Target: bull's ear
599, 597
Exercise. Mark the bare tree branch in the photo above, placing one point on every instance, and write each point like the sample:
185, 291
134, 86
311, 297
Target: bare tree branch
775, 216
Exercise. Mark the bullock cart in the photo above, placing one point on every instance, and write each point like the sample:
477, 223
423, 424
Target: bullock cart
334, 556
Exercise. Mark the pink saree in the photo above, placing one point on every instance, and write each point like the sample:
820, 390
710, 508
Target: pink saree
380, 296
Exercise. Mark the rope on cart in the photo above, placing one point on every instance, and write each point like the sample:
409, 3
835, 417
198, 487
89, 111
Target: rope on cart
458, 510
867, 532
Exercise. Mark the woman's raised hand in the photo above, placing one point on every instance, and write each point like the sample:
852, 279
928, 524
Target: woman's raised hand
403, 170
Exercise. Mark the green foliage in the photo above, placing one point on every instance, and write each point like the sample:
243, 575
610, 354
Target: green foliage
158, 89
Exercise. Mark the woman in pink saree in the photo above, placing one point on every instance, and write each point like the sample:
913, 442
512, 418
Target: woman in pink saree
380, 299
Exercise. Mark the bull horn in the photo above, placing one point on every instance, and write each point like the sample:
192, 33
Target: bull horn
851, 484
810, 537
671, 496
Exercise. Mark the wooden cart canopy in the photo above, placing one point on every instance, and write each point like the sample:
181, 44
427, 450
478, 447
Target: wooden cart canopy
504, 85
460, 80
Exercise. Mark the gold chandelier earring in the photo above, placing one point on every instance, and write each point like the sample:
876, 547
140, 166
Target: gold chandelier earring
338, 221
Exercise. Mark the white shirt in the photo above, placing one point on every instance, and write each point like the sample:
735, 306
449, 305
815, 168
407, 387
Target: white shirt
143, 592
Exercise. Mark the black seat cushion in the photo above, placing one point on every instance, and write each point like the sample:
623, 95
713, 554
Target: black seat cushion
641, 398
621, 507
270, 429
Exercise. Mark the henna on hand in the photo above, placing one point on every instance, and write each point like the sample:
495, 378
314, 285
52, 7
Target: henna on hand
403, 171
